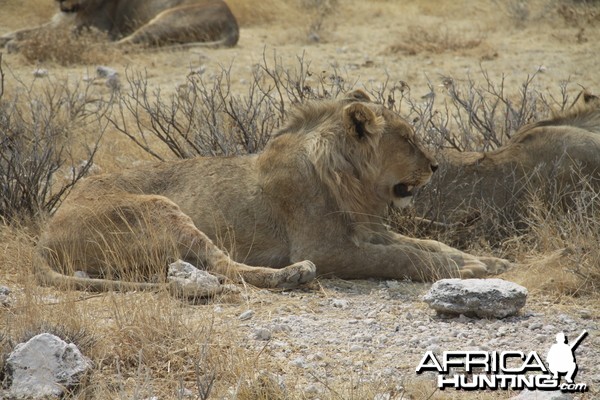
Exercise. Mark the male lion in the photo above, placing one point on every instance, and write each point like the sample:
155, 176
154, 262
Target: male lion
555, 160
318, 191
150, 22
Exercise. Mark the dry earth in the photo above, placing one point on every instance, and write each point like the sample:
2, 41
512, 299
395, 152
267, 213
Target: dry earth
335, 339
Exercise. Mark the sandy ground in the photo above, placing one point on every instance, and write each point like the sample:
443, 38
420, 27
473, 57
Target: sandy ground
369, 42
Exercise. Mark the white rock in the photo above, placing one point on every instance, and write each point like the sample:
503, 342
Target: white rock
105, 72
542, 395
5, 299
192, 280
262, 334
44, 367
484, 298
246, 315
40, 73
339, 303
81, 274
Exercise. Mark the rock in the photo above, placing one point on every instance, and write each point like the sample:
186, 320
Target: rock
105, 72
44, 367
40, 73
262, 334
81, 274
110, 75
5, 299
542, 395
193, 282
339, 303
246, 315
483, 298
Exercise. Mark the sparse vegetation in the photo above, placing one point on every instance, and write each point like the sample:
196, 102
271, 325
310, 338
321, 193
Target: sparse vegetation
207, 118
35, 127
150, 344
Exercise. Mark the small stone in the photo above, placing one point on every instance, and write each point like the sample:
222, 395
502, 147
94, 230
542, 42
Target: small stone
246, 315
312, 388
298, 362
339, 303
534, 326
585, 313
105, 72
81, 274
5, 299
40, 72
185, 392
542, 395
483, 298
355, 347
191, 281
262, 334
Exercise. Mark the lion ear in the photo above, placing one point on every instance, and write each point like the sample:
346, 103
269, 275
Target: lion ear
361, 122
358, 95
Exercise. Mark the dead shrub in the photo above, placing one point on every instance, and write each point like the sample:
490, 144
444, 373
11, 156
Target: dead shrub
36, 123
206, 118
434, 40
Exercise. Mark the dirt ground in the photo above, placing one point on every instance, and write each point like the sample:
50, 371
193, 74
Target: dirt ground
148, 345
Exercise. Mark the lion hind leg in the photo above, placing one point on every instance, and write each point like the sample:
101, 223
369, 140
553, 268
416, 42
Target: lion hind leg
209, 25
196, 247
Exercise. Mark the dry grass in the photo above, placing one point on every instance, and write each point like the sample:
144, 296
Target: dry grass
63, 47
435, 40
250, 13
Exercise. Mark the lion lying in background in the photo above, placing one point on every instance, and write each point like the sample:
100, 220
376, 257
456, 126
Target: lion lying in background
319, 191
149, 22
553, 160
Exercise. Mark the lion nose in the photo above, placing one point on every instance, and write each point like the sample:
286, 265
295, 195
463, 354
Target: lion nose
434, 167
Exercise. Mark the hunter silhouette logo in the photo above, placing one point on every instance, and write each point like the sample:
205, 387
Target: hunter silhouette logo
514, 370
561, 357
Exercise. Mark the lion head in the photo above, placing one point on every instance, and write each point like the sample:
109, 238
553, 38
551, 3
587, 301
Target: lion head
366, 155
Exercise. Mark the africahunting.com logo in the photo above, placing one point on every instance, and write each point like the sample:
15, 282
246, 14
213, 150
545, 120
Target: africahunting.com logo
479, 370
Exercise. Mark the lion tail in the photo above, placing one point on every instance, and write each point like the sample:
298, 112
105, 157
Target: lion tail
46, 276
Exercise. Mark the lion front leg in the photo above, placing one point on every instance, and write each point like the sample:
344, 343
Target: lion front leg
196, 247
494, 265
348, 260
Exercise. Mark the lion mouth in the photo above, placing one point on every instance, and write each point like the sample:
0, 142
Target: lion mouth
73, 9
403, 190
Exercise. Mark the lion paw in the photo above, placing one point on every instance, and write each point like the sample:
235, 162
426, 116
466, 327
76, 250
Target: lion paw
473, 268
495, 265
296, 274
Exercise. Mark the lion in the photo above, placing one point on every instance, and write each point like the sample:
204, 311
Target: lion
554, 160
185, 23
319, 191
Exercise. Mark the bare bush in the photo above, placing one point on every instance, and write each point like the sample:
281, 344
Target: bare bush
434, 40
471, 116
35, 127
204, 117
